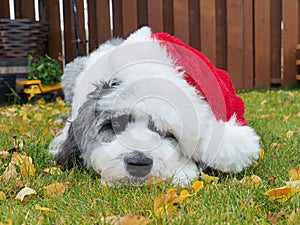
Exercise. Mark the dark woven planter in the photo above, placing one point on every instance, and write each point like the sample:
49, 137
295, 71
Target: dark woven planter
21, 37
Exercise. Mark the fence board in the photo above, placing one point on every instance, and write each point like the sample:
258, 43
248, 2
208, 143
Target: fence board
181, 20
262, 37
69, 32
24, 9
290, 16
248, 72
208, 29
142, 13
155, 15
92, 25
130, 17
168, 16
102, 21
276, 41
54, 37
235, 59
4, 9
81, 25
194, 23
117, 18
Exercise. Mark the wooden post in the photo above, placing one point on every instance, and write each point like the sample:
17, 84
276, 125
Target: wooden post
4, 9
155, 15
181, 20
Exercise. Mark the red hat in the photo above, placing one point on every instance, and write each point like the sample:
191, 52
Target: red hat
214, 84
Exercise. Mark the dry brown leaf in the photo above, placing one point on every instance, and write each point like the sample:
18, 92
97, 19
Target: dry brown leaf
294, 173
2, 195
293, 184
252, 181
209, 179
165, 202
282, 194
54, 190
127, 220
52, 170
4, 154
10, 172
38, 116
26, 191
17, 159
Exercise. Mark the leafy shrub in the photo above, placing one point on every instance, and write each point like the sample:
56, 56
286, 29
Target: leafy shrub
44, 68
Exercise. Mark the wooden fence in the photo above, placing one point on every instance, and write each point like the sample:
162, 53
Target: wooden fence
255, 40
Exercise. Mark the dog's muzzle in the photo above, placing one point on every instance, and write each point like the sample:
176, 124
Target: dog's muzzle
138, 164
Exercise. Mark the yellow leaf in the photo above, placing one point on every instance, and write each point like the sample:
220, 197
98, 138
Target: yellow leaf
38, 116
209, 179
197, 185
261, 153
70, 176
27, 168
38, 207
18, 159
282, 194
22, 129
52, 170
294, 173
172, 191
55, 189
4, 154
126, 220
294, 218
165, 201
253, 181
2, 196
25, 192
185, 194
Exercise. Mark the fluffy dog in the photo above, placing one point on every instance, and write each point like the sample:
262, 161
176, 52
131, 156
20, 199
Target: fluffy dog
152, 106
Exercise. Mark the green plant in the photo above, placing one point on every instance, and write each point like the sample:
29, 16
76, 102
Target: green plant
44, 68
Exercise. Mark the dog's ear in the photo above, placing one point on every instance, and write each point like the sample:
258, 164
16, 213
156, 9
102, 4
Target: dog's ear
69, 153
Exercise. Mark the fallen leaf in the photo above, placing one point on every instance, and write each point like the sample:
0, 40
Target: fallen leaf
38, 116
38, 207
4, 154
261, 153
55, 189
253, 181
290, 134
293, 184
127, 220
294, 173
2, 196
282, 194
10, 172
17, 159
27, 168
294, 218
185, 194
274, 218
197, 185
209, 179
26, 191
52, 170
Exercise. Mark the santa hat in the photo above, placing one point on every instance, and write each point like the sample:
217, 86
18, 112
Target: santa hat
214, 84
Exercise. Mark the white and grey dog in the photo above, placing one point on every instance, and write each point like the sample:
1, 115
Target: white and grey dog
134, 115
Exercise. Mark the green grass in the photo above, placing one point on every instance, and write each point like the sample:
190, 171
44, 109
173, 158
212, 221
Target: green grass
274, 114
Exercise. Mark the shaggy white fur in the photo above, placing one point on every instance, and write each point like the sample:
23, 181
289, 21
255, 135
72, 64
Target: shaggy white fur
145, 84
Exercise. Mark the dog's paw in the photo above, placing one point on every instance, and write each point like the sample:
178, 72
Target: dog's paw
231, 147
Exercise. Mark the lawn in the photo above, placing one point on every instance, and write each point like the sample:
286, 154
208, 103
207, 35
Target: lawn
28, 129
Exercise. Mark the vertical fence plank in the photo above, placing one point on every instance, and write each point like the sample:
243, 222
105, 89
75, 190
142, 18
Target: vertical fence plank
142, 12
117, 18
130, 17
276, 41
24, 9
181, 20
290, 15
248, 72
54, 37
262, 43
168, 16
155, 15
81, 25
208, 29
69, 31
102, 21
92, 24
194, 23
235, 59
4, 9
221, 34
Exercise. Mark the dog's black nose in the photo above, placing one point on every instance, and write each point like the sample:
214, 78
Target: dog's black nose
138, 164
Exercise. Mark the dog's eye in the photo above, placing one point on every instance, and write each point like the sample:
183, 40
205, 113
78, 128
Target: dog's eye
119, 123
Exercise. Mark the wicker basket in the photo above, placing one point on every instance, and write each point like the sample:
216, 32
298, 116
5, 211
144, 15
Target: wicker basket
21, 37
